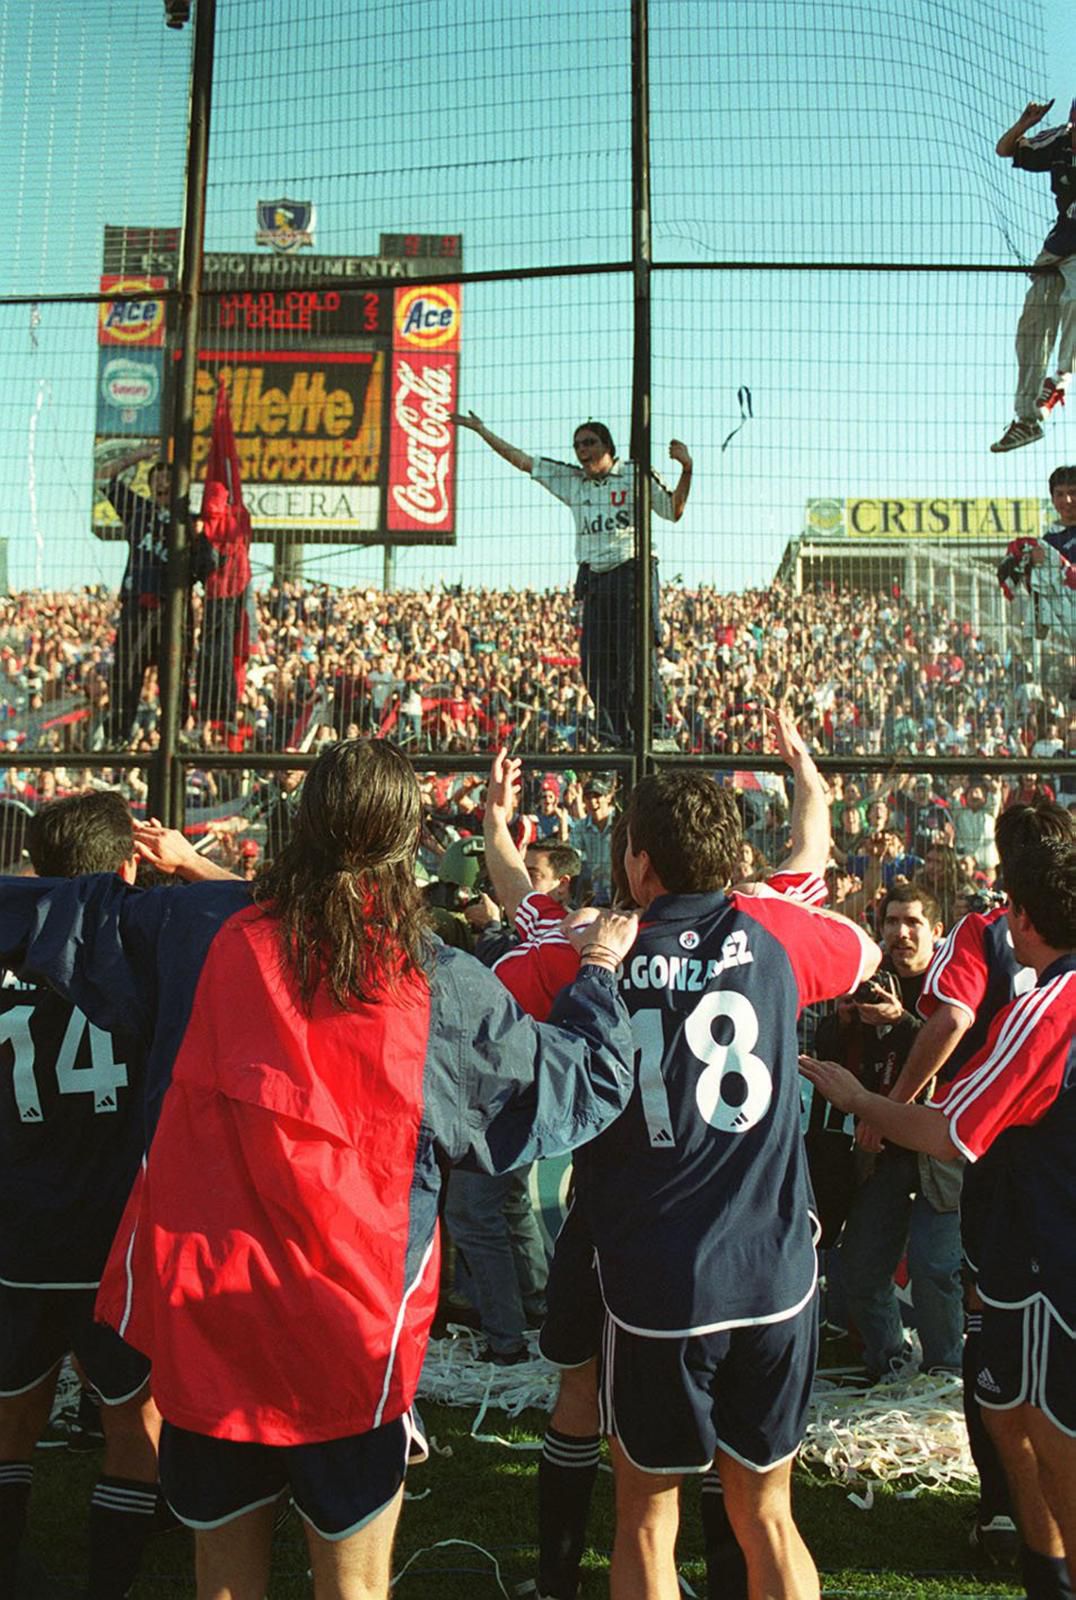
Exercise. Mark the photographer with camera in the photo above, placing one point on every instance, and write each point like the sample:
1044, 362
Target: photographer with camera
872, 1033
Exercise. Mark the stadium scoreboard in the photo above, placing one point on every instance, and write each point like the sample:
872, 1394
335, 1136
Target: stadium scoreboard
340, 392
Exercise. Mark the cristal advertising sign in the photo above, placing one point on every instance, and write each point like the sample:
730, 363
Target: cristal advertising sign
915, 517
422, 441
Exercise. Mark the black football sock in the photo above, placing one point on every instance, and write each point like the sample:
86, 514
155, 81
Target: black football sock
566, 1475
121, 1520
1045, 1577
726, 1569
14, 1502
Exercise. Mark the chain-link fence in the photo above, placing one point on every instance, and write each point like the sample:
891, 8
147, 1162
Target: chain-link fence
767, 251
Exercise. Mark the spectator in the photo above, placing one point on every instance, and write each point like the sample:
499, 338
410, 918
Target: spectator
591, 836
974, 816
890, 1211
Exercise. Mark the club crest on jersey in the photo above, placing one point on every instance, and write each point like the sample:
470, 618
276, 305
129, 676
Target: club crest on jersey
689, 939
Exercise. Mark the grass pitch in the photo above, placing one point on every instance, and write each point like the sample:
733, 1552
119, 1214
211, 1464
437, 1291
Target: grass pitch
899, 1550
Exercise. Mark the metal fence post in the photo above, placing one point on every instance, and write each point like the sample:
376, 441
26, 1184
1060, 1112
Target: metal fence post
163, 787
641, 378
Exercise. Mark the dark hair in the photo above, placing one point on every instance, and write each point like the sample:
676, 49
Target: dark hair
563, 858
343, 887
81, 833
618, 843
1020, 827
1041, 881
1062, 477
689, 827
906, 894
603, 434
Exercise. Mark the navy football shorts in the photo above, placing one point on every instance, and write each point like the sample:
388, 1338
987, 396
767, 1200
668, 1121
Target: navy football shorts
38, 1327
338, 1485
1026, 1357
572, 1331
674, 1403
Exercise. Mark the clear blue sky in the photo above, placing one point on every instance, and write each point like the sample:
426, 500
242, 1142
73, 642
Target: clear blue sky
800, 130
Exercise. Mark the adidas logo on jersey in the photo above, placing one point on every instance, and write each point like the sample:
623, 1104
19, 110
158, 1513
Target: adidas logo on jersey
986, 1381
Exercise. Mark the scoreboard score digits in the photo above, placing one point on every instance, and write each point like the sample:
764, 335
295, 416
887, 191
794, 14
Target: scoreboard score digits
324, 313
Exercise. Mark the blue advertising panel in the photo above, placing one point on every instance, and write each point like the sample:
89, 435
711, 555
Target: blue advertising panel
129, 383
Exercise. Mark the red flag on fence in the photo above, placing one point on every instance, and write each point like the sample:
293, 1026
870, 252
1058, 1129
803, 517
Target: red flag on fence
228, 615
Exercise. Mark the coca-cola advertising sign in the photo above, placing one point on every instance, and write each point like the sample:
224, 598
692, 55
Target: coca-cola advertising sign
422, 440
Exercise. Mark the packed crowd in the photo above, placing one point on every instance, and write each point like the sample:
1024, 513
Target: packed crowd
458, 669
487, 1090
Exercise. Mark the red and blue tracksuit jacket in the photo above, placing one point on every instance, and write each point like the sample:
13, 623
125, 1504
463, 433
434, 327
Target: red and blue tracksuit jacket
278, 1259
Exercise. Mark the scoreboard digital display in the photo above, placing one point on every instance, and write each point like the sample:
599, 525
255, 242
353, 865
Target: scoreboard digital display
340, 395
317, 313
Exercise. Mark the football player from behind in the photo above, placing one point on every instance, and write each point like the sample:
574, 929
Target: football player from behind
71, 1141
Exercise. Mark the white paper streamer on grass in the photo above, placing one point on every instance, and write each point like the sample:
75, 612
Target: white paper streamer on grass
909, 1431
454, 1375
443, 1544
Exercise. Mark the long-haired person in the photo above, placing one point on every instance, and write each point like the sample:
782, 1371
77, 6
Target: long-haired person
315, 1057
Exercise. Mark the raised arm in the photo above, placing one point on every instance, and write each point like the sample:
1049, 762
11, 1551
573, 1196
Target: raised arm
519, 1089
934, 1044
113, 468
913, 1127
504, 864
680, 453
171, 851
1032, 113
509, 452
808, 846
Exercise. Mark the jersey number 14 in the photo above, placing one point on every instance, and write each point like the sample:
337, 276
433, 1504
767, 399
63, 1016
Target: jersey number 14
101, 1078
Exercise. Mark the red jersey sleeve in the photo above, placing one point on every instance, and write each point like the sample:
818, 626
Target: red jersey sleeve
828, 954
959, 972
1016, 1077
538, 914
806, 887
536, 972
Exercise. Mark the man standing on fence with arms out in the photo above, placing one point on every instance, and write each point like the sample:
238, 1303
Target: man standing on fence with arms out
599, 490
1049, 312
